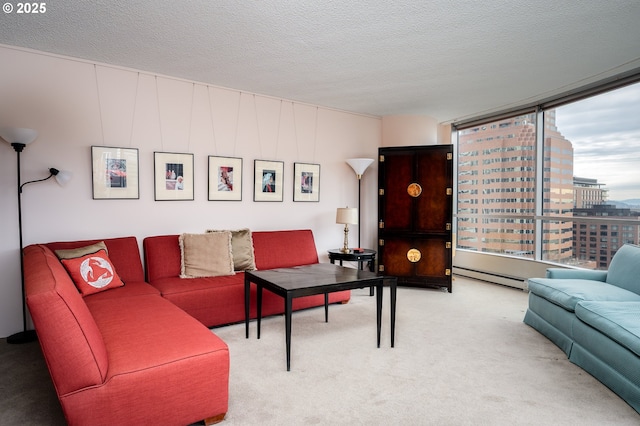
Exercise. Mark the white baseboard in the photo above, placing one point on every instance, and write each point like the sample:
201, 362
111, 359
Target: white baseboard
508, 281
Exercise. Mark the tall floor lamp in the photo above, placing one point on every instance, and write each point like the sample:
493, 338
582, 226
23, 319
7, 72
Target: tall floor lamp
19, 138
359, 165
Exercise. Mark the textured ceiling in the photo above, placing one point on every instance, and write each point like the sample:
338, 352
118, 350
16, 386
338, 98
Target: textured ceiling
448, 59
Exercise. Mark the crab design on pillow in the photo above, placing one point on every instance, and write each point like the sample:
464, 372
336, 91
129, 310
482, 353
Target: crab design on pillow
92, 272
96, 271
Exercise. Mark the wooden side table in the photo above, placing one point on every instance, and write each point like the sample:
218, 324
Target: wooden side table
367, 256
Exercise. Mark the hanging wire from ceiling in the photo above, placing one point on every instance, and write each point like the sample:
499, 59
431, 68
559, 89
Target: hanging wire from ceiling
159, 114
133, 115
193, 90
235, 140
213, 129
95, 70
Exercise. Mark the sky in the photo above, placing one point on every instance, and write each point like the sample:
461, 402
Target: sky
605, 133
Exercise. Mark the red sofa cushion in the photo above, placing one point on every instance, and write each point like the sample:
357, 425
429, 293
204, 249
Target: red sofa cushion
157, 350
162, 256
140, 332
132, 288
284, 249
216, 301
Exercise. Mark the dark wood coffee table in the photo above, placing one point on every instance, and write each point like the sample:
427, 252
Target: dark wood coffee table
307, 280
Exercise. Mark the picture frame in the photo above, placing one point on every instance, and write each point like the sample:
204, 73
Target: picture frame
173, 176
268, 180
225, 178
306, 182
115, 173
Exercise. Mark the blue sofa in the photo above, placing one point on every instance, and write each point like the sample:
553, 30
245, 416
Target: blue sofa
594, 317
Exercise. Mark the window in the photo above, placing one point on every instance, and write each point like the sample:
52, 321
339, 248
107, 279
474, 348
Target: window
558, 193
507, 166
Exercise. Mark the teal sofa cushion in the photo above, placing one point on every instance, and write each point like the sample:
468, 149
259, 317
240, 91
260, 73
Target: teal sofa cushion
566, 293
624, 269
620, 321
582, 274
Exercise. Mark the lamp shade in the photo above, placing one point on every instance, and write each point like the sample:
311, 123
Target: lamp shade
359, 165
346, 215
18, 135
62, 176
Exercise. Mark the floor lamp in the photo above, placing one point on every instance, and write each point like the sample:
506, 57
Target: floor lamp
359, 165
19, 138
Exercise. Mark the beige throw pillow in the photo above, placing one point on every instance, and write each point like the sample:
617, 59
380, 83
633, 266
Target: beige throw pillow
242, 249
206, 255
81, 251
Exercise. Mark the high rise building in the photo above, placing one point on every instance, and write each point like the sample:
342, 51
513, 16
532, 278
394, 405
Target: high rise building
496, 188
588, 192
557, 242
595, 243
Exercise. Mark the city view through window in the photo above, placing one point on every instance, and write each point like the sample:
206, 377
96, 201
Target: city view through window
589, 172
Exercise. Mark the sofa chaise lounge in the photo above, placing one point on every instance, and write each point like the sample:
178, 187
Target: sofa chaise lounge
125, 356
594, 317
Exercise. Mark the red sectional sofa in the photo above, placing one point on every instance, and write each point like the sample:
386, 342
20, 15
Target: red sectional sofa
142, 353
125, 356
216, 301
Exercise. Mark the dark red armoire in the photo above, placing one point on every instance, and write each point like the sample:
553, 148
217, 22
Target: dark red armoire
415, 213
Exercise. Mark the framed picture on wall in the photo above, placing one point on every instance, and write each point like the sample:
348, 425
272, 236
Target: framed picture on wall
225, 178
306, 182
268, 179
173, 176
115, 173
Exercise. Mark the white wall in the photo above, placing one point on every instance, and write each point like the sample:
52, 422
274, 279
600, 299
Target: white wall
408, 130
75, 104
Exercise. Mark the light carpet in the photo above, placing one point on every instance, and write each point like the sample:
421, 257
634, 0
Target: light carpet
464, 358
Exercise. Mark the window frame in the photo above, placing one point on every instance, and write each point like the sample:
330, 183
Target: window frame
538, 108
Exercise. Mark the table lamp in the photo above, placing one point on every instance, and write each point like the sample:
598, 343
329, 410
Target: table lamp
347, 216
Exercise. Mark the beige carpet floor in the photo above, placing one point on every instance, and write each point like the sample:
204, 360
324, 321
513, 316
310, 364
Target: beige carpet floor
463, 358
